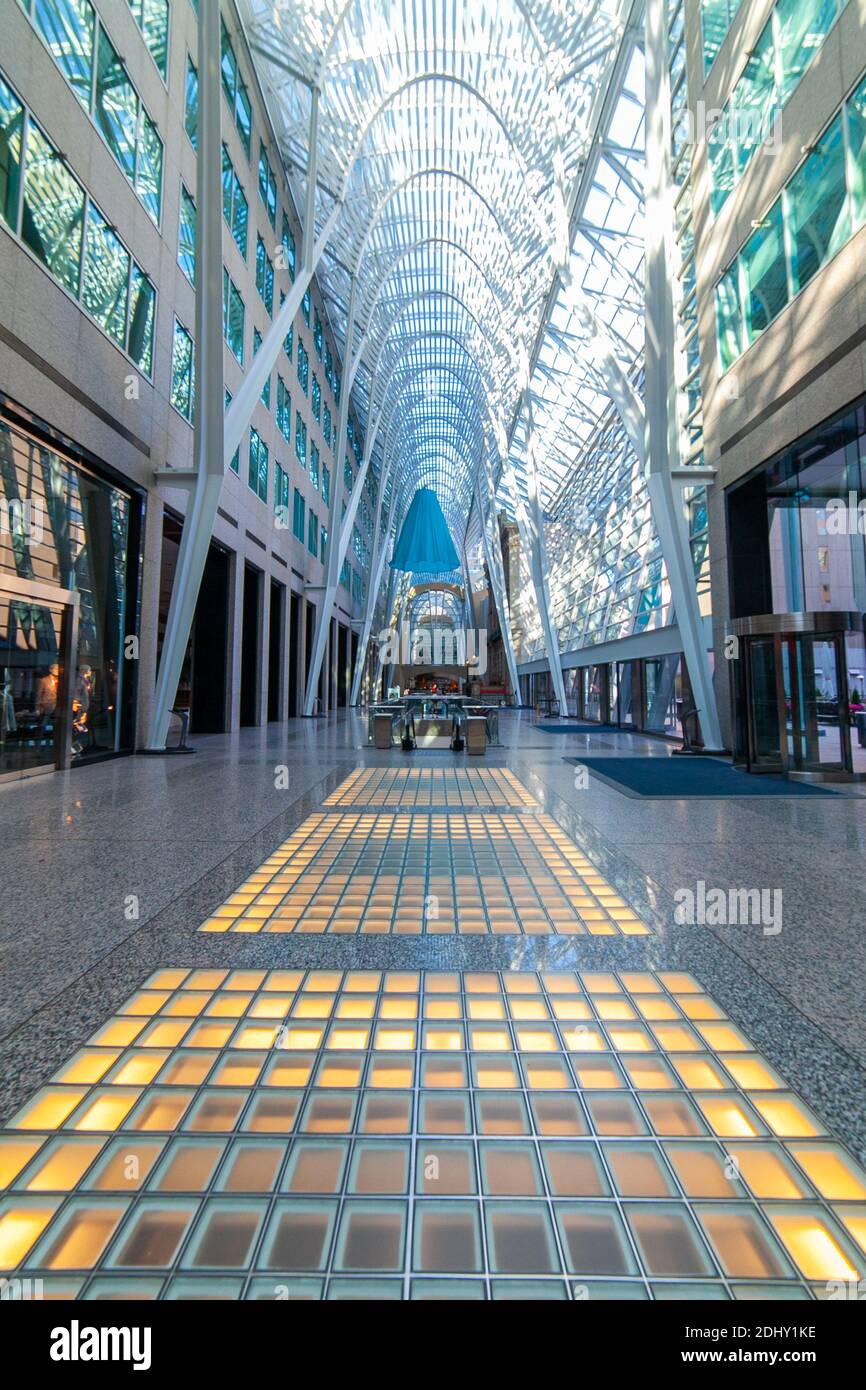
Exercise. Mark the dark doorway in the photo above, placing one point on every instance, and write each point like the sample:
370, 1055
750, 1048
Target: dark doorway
209, 646
342, 659
354, 651
294, 652
251, 646
275, 649
309, 634
332, 664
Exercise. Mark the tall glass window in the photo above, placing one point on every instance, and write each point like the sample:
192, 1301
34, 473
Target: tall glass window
151, 16
11, 132
116, 105
765, 272
68, 28
803, 26
186, 234
258, 465
190, 104
818, 209
84, 544
53, 216
233, 316
182, 371
106, 276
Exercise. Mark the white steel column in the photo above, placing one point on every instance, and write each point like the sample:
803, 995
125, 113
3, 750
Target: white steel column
662, 424
493, 556
374, 581
335, 559
531, 527
209, 403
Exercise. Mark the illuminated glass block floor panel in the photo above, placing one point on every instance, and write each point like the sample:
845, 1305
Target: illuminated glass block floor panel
320, 1134
432, 789
427, 872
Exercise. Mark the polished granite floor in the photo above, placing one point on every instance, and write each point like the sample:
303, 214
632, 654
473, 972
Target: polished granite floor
613, 1096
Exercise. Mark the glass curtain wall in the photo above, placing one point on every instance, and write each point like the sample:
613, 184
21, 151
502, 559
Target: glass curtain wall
62, 525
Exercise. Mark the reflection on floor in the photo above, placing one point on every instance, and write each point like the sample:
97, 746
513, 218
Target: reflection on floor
410, 873
428, 788
320, 1134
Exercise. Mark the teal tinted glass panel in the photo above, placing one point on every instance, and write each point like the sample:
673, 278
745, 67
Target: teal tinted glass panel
765, 273
244, 118
729, 318
802, 25
116, 105
52, 221
148, 180
190, 115
716, 16
142, 315
755, 98
182, 371
857, 144
11, 127
151, 16
186, 235
106, 277
240, 218
67, 26
818, 207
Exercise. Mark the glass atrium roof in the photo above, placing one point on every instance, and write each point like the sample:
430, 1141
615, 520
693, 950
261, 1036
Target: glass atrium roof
460, 141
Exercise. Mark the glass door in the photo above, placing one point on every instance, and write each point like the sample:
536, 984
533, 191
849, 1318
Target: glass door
819, 731
36, 635
763, 704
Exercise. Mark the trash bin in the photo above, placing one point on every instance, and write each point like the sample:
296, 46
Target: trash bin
476, 734
382, 730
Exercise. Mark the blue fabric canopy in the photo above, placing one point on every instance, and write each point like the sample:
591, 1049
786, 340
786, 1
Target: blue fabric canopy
424, 544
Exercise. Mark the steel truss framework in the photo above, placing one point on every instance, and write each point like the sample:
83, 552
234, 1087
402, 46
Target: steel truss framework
471, 185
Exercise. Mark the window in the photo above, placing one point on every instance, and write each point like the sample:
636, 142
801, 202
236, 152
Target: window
326, 485
765, 273
284, 410
233, 316
323, 548
151, 16
289, 245
788, 43
94, 70
817, 207
182, 371
856, 121
316, 399
314, 465
236, 93
716, 19
264, 275
69, 30
803, 26
821, 206
300, 440
306, 308
186, 235
317, 334
258, 465
190, 105
267, 185
329, 365
106, 276
235, 464
303, 367
326, 423
348, 475
281, 496
312, 532
53, 220
298, 511
266, 389
288, 343
235, 207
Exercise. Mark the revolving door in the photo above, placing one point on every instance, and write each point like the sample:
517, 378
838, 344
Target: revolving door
797, 685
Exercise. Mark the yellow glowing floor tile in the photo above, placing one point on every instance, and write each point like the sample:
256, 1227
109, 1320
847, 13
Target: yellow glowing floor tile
418, 873
93, 1167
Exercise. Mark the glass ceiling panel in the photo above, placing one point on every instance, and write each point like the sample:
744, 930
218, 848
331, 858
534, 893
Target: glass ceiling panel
455, 138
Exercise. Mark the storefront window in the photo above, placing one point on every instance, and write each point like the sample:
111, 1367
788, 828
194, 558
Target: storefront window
75, 536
